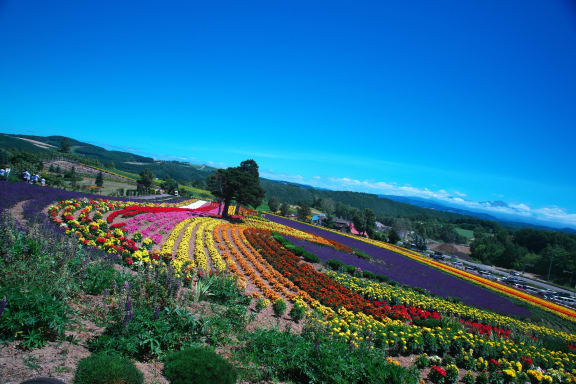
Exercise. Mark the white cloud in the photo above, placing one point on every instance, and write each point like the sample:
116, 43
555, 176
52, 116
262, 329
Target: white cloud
520, 207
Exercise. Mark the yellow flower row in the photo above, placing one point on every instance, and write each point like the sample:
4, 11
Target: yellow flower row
183, 258
379, 291
217, 261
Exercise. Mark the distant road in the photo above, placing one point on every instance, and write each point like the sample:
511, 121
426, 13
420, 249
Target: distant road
533, 282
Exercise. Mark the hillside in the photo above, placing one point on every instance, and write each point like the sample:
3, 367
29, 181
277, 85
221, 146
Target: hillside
295, 193
47, 146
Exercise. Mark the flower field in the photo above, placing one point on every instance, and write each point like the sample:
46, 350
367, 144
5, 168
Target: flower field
191, 239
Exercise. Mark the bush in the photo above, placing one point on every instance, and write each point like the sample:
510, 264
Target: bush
261, 304
33, 316
437, 375
334, 264
468, 378
107, 369
279, 307
148, 332
310, 257
452, 374
99, 277
297, 312
422, 361
362, 255
283, 356
198, 365
224, 290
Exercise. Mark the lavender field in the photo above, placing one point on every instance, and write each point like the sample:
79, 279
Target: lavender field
405, 270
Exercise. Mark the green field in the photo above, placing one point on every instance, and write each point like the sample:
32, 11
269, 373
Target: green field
467, 233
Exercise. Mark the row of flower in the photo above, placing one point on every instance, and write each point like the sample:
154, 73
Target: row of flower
381, 291
489, 284
320, 286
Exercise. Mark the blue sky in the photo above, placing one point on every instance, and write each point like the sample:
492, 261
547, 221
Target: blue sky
460, 101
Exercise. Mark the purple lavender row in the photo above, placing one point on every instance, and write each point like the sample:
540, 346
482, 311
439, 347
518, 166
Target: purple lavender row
404, 270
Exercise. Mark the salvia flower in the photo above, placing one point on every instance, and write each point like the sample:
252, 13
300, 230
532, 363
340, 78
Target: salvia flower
2, 305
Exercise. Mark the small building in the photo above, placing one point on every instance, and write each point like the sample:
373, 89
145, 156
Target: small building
318, 219
342, 225
382, 227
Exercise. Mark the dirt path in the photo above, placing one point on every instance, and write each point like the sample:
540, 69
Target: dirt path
17, 212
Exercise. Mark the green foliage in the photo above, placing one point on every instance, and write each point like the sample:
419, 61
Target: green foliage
284, 209
33, 316
39, 273
148, 332
237, 183
393, 237
422, 361
279, 307
107, 369
281, 356
146, 180
362, 255
452, 374
482, 378
261, 304
298, 312
198, 365
303, 211
274, 204
224, 290
99, 180
334, 264
468, 378
98, 277
228, 321
310, 257
65, 145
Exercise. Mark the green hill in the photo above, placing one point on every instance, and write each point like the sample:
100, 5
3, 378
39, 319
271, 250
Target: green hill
47, 147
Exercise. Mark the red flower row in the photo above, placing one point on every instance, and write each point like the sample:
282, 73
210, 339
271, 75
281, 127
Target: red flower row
320, 286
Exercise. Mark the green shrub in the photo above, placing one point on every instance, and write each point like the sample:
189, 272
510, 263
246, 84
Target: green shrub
310, 257
362, 255
482, 378
99, 277
279, 307
107, 369
224, 290
261, 304
198, 365
297, 312
334, 264
350, 269
33, 316
298, 251
148, 332
283, 356
468, 378
452, 374
422, 361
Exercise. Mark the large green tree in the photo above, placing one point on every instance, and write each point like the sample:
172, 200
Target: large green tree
241, 184
146, 180
65, 145
99, 180
304, 211
273, 203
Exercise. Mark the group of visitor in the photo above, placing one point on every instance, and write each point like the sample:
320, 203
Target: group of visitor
4, 173
33, 179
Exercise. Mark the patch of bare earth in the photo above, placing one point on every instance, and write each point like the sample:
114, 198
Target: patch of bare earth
17, 212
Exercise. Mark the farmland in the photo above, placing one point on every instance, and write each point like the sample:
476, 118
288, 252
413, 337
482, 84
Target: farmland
259, 288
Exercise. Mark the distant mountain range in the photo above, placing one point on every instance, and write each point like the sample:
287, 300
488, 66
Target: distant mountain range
504, 218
